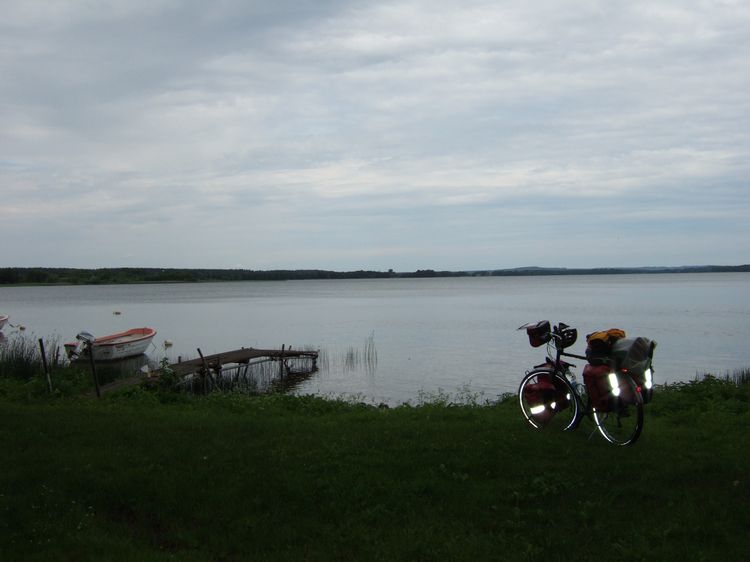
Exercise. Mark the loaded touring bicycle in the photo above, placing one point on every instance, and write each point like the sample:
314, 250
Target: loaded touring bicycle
617, 382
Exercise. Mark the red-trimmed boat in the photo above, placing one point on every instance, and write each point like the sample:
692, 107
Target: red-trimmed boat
116, 346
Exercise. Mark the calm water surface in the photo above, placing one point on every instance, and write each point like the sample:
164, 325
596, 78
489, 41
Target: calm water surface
430, 334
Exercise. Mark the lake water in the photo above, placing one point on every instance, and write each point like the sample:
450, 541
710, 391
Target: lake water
431, 335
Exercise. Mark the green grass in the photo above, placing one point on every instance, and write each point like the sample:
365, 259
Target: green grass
156, 476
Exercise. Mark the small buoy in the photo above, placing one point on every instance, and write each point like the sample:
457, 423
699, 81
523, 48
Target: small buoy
167, 343
117, 313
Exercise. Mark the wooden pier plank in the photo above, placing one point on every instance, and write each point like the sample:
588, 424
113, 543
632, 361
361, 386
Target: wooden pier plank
236, 356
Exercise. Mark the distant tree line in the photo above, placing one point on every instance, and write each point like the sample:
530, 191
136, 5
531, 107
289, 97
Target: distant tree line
73, 276
619, 270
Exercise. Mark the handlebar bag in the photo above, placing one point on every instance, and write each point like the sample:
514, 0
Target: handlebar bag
539, 333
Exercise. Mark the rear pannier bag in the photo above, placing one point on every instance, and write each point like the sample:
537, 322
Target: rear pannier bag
540, 333
596, 379
599, 387
599, 345
633, 357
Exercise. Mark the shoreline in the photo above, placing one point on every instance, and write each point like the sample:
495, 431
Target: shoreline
42, 276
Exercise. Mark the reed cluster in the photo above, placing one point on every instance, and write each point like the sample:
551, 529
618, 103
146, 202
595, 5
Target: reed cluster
21, 357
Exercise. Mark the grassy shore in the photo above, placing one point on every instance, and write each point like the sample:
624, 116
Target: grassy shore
144, 475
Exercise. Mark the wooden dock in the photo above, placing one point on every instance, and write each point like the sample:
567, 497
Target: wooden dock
239, 356
209, 366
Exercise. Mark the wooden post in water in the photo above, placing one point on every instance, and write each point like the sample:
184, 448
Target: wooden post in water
44, 363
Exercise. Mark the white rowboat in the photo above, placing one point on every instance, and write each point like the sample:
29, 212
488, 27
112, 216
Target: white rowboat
116, 346
3, 320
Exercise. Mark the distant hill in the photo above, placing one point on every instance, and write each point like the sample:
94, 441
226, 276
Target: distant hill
620, 270
73, 276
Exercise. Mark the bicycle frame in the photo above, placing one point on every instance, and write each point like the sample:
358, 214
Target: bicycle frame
558, 364
619, 419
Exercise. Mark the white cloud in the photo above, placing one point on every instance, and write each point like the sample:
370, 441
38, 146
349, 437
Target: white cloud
347, 121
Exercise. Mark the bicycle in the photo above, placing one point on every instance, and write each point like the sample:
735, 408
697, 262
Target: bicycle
551, 397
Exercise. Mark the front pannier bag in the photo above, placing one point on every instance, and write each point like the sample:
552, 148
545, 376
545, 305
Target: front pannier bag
548, 393
538, 395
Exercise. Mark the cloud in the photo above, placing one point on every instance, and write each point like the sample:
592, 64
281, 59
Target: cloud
388, 131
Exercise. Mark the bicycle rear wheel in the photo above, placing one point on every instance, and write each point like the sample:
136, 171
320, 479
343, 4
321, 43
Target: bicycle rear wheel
548, 401
623, 425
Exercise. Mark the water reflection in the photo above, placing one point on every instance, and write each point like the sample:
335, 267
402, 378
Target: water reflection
109, 371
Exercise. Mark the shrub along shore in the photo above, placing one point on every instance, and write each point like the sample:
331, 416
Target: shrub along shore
159, 475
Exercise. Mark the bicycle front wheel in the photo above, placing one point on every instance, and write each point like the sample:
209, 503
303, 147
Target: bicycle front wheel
622, 425
548, 400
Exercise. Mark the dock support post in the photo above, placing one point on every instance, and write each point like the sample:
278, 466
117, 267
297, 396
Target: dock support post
205, 371
44, 363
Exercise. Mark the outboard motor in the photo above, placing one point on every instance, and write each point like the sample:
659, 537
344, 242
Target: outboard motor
85, 341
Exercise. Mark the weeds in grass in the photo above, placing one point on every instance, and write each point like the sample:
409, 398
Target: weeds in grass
464, 396
705, 393
737, 377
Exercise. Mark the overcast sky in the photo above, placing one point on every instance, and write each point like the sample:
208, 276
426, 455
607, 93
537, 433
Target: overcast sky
340, 134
